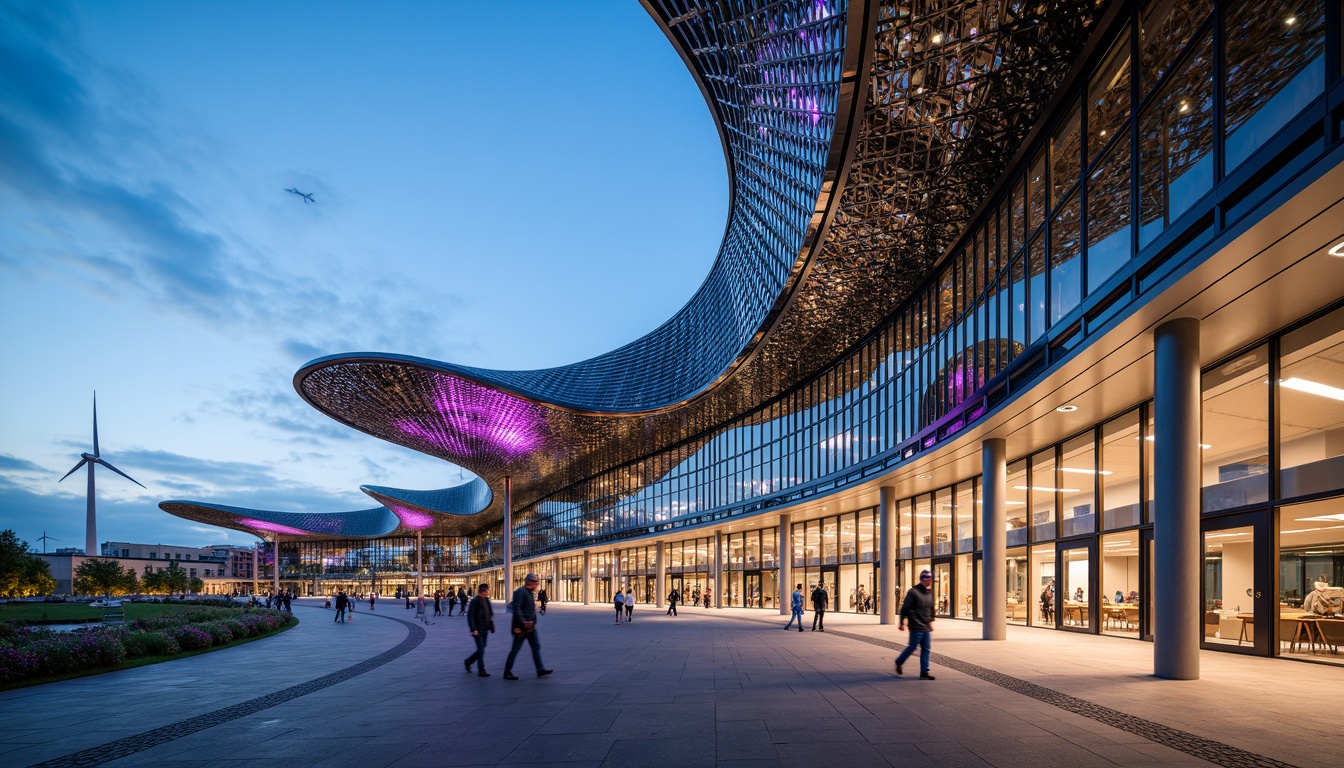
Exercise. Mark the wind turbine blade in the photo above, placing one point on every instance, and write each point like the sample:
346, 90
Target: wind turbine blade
81, 463
95, 424
119, 472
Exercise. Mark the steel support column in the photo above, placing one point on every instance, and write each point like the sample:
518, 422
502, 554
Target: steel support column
785, 580
994, 533
887, 533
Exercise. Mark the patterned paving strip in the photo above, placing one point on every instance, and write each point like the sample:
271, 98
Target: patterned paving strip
1214, 752
114, 750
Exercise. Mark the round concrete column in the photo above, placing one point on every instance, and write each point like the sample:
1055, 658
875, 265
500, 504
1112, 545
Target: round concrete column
615, 572
719, 589
887, 532
587, 577
785, 538
994, 539
1176, 484
660, 582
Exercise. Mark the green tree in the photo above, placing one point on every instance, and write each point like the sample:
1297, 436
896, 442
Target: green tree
22, 574
196, 584
103, 577
152, 583
175, 578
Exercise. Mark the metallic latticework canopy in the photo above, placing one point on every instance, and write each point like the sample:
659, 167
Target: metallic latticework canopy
860, 140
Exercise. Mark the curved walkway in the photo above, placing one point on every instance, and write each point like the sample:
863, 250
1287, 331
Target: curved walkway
705, 688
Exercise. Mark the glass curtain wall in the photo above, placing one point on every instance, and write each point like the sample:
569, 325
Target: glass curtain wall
750, 568
850, 578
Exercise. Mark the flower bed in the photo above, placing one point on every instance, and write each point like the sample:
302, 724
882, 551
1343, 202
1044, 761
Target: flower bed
35, 652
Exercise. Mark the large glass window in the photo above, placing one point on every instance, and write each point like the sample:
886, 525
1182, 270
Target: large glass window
1066, 263
1066, 155
1043, 585
1311, 579
1108, 215
942, 522
1043, 488
830, 541
923, 530
1236, 432
1108, 100
1077, 476
1275, 64
905, 522
1229, 586
849, 552
1021, 598
1076, 579
867, 536
1120, 471
1120, 584
964, 513
1176, 145
1311, 407
1016, 502
1165, 27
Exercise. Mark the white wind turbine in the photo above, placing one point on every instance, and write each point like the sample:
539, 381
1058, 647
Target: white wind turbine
91, 529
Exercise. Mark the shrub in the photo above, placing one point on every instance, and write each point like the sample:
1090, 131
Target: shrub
219, 633
151, 644
237, 628
193, 639
16, 664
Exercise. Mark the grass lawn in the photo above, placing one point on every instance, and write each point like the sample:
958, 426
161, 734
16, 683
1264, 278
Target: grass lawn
63, 612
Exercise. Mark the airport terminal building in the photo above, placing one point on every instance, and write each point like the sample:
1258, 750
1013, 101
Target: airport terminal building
1044, 297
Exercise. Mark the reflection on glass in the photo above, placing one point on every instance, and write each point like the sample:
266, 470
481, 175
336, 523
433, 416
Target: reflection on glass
1036, 291
905, 523
1236, 432
964, 513
1066, 156
1176, 145
1275, 62
1066, 263
1036, 184
1164, 29
867, 536
942, 522
1108, 99
1229, 586
923, 530
1311, 407
1108, 215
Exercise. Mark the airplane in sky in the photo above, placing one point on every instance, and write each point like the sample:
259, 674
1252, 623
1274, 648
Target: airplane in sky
307, 197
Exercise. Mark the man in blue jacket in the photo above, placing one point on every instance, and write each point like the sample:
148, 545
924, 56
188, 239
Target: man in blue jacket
796, 603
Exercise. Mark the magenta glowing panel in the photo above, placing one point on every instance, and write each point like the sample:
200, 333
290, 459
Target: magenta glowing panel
475, 421
413, 519
262, 525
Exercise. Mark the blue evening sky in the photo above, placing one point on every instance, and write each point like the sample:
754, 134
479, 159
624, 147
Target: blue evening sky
509, 185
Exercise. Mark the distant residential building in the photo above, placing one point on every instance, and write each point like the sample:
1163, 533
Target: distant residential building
226, 569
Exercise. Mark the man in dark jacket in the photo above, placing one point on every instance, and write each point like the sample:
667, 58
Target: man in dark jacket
820, 602
918, 610
341, 602
480, 622
524, 607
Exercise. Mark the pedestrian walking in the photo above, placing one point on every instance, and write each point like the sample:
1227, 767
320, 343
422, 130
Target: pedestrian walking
524, 609
796, 608
372, 599
438, 600
820, 602
918, 611
461, 601
672, 598
543, 598
619, 602
629, 604
341, 602
480, 623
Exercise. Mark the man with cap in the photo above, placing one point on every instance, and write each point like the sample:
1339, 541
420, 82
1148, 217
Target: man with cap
524, 608
918, 610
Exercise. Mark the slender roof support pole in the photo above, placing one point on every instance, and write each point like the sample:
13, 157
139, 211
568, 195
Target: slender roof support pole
785, 564
508, 534
587, 575
256, 565
1176, 483
887, 599
994, 533
419, 565
275, 570
615, 572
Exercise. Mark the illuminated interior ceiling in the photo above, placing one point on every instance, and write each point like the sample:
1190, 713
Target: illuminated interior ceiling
444, 512
845, 193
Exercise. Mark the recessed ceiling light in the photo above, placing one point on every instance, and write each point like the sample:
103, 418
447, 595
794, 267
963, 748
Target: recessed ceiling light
1067, 408
923, 477
1338, 250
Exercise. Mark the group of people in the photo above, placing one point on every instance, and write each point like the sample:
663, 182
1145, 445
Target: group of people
674, 598
453, 600
821, 601
625, 605
523, 627
916, 611
281, 600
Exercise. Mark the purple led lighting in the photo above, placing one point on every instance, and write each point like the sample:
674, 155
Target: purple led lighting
262, 525
413, 519
474, 421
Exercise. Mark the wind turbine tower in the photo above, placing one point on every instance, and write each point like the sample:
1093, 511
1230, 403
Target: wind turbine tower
91, 529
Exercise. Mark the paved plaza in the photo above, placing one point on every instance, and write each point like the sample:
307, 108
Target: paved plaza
710, 687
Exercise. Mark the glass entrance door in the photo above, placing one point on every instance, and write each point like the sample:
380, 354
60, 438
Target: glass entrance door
1237, 584
942, 587
830, 581
752, 589
650, 595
